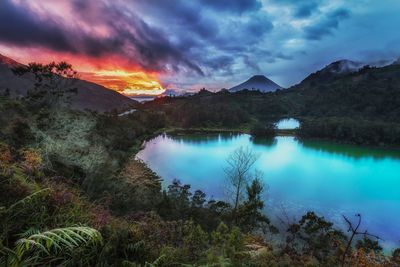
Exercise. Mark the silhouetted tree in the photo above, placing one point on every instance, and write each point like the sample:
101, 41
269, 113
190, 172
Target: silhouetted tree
250, 213
54, 83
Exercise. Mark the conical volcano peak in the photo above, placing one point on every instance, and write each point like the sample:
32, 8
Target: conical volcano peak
257, 82
259, 78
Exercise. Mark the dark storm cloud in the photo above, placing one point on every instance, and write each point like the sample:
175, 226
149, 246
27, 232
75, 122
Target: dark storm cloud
251, 63
305, 10
258, 26
221, 64
327, 24
19, 26
236, 6
144, 45
151, 49
214, 34
284, 56
301, 9
22, 27
182, 14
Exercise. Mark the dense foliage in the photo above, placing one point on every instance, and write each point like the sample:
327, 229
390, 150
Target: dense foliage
263, 130
223, 109
352, 131
370, 94
74, 196
121, 216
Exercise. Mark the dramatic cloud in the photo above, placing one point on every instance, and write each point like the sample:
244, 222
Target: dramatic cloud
305, 10
237, 6
20, 26
123, 33
129, 44
326, 25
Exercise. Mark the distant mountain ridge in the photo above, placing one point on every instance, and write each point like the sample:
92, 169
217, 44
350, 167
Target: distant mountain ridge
367, 92
331, 72
89, 95
6, 61
343, 66
257, 82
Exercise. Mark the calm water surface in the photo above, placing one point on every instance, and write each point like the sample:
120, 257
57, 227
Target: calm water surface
327, 178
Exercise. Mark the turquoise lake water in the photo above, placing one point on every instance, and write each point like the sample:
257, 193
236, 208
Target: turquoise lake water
286, 124
330, 179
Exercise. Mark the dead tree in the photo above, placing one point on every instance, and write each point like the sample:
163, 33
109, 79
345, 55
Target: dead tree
354, 231
237, 171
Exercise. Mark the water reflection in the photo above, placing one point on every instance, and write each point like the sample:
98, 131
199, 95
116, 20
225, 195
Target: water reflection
352, 151
202, 138
328, 178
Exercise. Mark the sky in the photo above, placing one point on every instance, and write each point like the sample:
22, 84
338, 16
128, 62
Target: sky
146, 46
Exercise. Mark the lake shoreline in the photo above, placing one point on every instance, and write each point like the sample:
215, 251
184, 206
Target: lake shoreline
313, 181
283, 132
245, 130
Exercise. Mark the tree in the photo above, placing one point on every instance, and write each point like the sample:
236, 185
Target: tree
369, 245
239, 164
314, 236
176, 201
250, 212
198, 199
54, 83
263, 130
354, 232
195, 240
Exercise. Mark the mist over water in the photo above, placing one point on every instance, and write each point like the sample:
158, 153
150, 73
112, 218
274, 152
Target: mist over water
330, 179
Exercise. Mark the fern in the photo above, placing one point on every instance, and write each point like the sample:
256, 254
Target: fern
158, 262
135, 248
57, 243
28, 199
29, 232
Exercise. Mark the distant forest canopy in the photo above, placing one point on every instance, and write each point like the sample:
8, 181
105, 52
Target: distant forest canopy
365, 100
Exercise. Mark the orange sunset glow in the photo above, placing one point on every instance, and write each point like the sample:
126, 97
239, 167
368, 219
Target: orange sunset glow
125, 82
113, 72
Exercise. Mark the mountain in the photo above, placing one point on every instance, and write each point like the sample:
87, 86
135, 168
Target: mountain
89, 95
5, 61
331, 72
342, 67
369, 92
257, 82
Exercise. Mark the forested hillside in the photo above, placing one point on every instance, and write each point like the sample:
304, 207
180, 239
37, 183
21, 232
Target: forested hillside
364, 104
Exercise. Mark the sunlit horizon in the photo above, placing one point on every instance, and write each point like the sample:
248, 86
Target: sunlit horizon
126, 82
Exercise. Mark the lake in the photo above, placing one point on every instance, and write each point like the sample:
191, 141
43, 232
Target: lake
287, 124
330, 179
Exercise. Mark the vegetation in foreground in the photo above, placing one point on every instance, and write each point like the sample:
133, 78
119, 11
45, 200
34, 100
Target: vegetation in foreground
72, 196
49, 220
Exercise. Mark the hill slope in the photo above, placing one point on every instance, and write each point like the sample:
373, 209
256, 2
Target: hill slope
331, 72
370, 92
257, 82
89, 95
